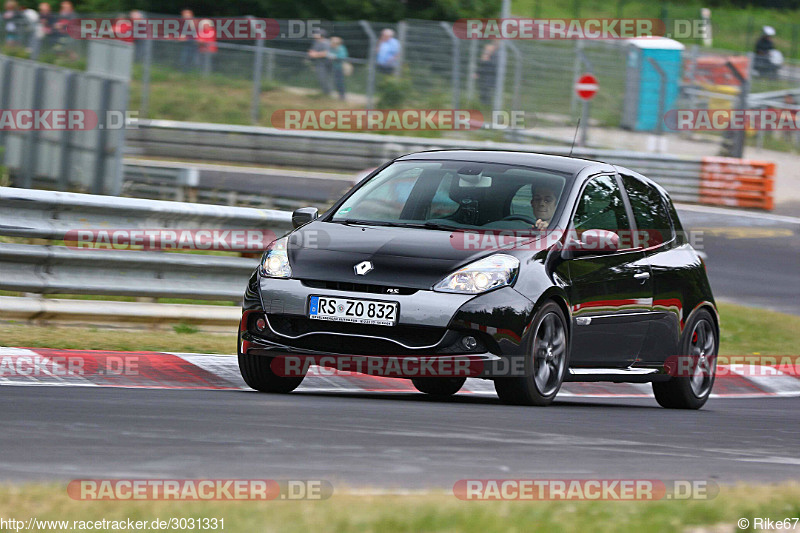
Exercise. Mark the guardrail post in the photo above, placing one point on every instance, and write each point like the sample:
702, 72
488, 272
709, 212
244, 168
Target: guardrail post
100, 145
455, 68
258, 68
32, 140
373, 42
66, 135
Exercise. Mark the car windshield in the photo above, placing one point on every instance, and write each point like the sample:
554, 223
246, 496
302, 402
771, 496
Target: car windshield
456, 194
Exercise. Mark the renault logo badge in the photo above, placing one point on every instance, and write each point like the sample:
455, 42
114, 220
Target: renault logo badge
363, 267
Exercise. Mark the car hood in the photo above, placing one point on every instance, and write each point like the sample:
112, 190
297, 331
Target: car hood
401, 257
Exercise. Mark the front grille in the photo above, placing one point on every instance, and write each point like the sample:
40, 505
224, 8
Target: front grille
349, 338
357, 287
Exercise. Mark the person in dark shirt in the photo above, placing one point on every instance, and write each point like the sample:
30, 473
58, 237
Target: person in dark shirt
487, 73
763, 63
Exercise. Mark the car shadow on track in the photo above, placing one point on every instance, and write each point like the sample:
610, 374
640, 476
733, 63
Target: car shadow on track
470, 399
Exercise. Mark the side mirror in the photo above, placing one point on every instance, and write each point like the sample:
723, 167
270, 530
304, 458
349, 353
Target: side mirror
304, 215
593, 242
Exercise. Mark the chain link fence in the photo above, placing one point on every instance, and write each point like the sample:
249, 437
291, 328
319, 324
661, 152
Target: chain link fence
436, 70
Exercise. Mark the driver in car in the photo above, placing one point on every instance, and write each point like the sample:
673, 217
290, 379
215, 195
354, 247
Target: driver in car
543, 202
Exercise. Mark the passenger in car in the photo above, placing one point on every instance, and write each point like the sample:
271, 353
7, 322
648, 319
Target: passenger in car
543, 202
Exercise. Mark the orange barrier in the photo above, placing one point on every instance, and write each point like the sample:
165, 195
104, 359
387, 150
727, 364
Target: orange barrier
737, 182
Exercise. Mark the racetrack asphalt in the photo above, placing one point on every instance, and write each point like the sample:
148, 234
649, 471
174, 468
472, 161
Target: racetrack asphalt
386, 440
406, 440
752, 258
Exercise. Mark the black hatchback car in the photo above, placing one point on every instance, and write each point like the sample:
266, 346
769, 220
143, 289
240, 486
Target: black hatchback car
533, 269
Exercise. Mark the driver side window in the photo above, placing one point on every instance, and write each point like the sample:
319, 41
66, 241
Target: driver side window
601, 207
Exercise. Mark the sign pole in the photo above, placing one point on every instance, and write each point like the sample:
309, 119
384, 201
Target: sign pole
584, 123
586, 87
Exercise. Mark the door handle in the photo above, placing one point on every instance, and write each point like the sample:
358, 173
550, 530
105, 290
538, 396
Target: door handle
642, 276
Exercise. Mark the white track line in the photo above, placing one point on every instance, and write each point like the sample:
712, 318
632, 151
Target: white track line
737, 213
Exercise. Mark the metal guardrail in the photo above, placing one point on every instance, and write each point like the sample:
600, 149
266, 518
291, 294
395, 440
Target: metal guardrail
49, 215
232, 185
358, 151
56, 269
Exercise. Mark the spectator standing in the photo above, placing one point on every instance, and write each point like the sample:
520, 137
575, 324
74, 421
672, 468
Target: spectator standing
45, 31
319, 53
388, 52
14, 23
338, 55
206, 43
487, 72
763, 62
189, 56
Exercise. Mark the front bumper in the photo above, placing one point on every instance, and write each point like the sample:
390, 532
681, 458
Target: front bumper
430, 325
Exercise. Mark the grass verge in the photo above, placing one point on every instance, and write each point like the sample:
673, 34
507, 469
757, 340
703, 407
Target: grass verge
434, 511
745, 331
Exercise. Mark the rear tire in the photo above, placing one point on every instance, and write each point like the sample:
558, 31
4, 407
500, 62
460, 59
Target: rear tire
700, 341
439, 387
545, 366
257, 373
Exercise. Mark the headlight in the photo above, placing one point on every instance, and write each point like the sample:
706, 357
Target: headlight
482, 275
275, 263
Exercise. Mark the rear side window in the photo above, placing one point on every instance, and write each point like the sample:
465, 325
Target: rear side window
601, 207
650, 212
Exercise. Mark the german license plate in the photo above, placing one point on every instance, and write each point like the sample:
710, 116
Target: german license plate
353, 310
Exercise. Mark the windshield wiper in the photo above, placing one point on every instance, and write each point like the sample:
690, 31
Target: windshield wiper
425, 225
359, 222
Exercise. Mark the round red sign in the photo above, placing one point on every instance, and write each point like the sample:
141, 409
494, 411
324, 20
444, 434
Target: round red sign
586, 87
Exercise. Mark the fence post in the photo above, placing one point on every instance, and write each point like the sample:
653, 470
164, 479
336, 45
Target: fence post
662, 99
585, 110
471, 68
455, 68
500, 79
733, 141
370, 63
402, 35
258, 68
576, 73
5, 94
270, 63
517, 76
146, 65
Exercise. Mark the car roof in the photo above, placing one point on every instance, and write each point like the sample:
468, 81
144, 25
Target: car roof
559, 163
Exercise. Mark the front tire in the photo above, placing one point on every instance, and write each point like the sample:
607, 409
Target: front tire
699, 342
258, 374
439, 387
545, 366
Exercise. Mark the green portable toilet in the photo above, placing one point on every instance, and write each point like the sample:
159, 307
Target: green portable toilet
642, 82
